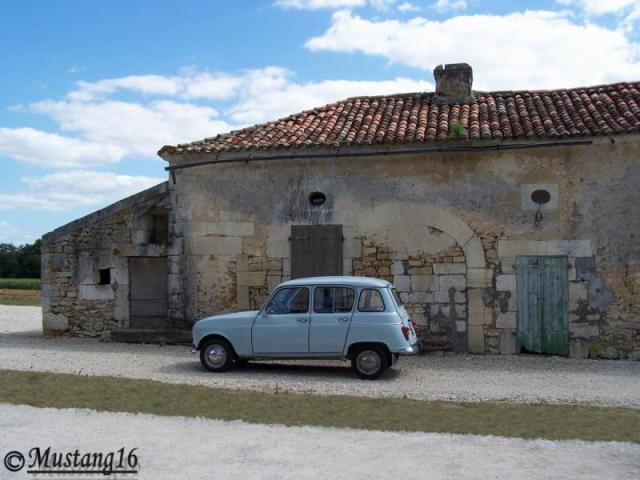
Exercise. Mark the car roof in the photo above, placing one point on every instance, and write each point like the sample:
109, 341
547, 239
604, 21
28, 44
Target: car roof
337, 280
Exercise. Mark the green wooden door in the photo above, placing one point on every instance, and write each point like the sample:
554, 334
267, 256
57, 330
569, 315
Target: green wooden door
542, 289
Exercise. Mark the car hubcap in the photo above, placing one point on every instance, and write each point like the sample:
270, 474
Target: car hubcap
368, 362
216, 356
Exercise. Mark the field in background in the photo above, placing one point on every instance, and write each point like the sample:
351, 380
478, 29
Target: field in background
20, 283
20, 291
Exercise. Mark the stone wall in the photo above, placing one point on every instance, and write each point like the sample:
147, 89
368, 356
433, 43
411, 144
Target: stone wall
73, 299
404, 217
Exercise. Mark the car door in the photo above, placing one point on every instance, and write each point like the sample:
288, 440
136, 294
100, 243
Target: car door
330, 318
282, 327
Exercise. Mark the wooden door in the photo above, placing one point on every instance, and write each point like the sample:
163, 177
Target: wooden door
148, 292
316, 250
542, 300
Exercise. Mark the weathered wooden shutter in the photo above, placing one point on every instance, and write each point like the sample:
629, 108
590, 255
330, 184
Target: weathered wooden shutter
316, 250
529, 294
542, 290
555, 325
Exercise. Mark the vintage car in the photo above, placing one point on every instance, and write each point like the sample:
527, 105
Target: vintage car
358, 318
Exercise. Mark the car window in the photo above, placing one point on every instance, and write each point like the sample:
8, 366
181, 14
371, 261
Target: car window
396, 297
333, 299
289, 300
370, 301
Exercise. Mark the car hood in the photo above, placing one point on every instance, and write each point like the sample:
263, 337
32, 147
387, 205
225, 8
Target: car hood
232, 319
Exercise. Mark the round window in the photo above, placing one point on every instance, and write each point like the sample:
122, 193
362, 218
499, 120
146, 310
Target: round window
317, 199
540, 197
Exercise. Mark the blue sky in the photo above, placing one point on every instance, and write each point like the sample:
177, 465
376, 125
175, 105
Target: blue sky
89, 91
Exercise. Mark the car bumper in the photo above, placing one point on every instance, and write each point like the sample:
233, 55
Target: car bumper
412, 350
194, 350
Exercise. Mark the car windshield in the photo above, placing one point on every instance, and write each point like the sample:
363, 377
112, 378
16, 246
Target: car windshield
396, 297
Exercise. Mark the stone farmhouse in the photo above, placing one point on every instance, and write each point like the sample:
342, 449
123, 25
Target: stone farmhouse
509, 221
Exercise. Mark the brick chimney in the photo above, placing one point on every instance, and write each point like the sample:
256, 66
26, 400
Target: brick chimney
453, 83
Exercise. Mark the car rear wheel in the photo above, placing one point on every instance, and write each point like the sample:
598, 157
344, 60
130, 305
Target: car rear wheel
216, 355
369, 362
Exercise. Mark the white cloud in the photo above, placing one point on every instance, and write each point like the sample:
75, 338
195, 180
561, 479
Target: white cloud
447, 5
600, 7
318, 4
190, 84
532, 49
64, 191
408, 7
137, 128
11, 233
50, 150
276, 96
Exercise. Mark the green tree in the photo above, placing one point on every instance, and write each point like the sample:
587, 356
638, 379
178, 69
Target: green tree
20, 262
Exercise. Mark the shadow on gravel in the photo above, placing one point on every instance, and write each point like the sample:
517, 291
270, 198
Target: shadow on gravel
303, 370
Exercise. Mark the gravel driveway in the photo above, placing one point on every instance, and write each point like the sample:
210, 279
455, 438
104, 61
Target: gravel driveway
459, 377
198, 448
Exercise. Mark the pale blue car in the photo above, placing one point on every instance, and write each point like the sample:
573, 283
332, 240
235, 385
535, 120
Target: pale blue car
358, 318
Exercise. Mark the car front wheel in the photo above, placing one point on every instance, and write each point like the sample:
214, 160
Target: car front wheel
369, 362
216, 355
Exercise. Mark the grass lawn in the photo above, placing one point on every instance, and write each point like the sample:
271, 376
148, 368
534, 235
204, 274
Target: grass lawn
19, 297
552, 422
20, 283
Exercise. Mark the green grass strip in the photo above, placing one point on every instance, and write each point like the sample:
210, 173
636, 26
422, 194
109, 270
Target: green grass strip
553, 422
20, 283
19, 302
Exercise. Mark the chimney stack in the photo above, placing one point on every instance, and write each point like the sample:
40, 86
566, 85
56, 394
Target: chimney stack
453, 83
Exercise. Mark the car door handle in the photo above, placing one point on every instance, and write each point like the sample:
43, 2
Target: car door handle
343, 319
301, 320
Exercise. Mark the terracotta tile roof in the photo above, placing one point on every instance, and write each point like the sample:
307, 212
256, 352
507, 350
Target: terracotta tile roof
418, 118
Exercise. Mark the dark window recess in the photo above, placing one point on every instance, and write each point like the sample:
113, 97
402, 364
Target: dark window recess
317, 199
540, 197
105, 276
160, 232
316, 250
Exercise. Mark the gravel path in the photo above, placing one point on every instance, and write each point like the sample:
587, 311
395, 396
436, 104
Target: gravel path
197, 448
459, 378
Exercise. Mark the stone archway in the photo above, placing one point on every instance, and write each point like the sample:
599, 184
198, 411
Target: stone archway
457, 271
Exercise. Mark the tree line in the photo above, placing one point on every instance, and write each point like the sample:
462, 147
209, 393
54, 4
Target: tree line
20, 261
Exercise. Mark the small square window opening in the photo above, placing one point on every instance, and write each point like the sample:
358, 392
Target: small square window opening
105, 276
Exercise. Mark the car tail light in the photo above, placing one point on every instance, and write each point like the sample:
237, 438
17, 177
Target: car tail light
406, 331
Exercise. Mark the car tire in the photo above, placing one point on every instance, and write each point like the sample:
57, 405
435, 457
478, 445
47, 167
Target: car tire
216, 355
369, 362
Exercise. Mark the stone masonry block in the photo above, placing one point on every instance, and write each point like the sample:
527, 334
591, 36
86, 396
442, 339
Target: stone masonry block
231, 229
508, 342
506, 282
273, 281
421, 283
216, 245
474, 297
51, 321
402, 283
242, 297
449, 268
278, 249
479, 277
577, 291
476, 339
397, 268
95, 292
251, 279
508, 265
445, 282
474, 253
506, 320
352, 248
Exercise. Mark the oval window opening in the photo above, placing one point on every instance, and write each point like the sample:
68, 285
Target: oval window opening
317, 199
540, 197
